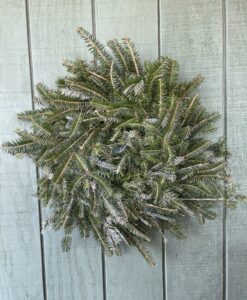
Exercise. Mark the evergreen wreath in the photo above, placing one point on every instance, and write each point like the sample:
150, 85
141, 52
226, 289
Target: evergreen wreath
123, 148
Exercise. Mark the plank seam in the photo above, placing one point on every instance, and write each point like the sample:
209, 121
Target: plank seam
159, 29
164, 268
30, 60
93, 18
163, 242
224, 99
102, 250
103, 273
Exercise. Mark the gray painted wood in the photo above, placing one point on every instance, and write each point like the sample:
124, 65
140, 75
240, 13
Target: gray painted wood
191, 32
129, 276
78, 274
20, 260
136, 19
237, 143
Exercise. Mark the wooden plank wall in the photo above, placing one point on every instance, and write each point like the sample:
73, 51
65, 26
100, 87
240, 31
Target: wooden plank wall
206, 36
20, 254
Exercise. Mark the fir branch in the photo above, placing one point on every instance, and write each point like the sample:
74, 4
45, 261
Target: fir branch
119, 53
133, 54
94, 46
58, 175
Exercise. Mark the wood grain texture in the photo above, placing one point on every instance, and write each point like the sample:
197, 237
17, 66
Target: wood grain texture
191, 32
20, 260
78, 274
129, 276
136, 19
237, 143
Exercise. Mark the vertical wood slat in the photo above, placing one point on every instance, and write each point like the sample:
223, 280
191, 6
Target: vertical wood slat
129, 276
191, 32
20, 259
237, 143
77, 274
224, 95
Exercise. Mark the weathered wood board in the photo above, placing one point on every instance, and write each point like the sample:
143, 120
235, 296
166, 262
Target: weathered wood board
191, 32
20, 259
78, 274
236, 12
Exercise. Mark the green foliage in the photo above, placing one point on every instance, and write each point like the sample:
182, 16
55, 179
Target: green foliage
124, 148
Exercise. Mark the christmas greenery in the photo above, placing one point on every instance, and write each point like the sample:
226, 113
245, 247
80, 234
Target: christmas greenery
123, 148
